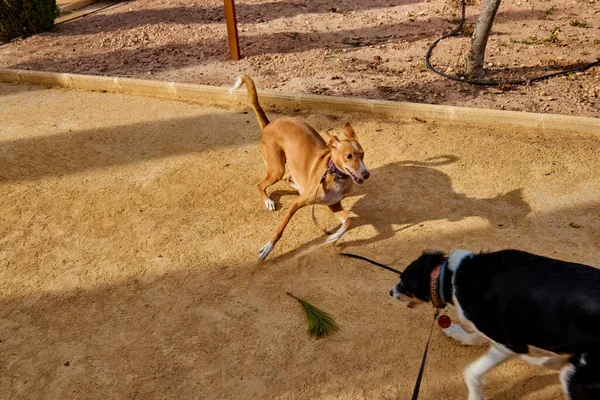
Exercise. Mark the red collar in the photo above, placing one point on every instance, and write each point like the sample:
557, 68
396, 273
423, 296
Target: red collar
435, 287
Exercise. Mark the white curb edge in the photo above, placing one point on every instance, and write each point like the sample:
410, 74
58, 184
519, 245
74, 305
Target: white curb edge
275, 99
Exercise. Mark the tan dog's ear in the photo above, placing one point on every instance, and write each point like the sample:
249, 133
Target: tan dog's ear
332, 141
349, 132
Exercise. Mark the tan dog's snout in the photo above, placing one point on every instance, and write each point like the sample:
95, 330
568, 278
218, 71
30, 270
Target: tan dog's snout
365, 173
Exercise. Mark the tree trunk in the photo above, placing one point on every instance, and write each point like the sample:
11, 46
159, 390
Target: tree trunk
476, 55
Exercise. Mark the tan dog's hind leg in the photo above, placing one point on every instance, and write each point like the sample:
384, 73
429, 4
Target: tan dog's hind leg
267, 248
275, 163
287, 178
344, 220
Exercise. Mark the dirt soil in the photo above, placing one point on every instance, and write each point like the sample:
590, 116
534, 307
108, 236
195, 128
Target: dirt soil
365, 48
130, 228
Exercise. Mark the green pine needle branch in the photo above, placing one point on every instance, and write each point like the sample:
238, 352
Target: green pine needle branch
320, 323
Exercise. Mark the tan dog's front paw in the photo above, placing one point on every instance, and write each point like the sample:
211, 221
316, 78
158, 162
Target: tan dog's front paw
334, 237
265, 251
270, 204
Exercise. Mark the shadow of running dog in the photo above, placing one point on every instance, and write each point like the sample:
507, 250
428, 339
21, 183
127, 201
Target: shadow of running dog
421, 193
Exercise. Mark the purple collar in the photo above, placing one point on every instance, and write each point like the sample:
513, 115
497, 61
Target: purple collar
335, 171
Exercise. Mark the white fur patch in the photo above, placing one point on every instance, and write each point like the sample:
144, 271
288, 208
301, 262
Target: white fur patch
456, 256
334, 194
294, 183
474, 373
454, 259
265, 251
463, 337
238, 84
565, 376
362, 168
270, 204
334, 237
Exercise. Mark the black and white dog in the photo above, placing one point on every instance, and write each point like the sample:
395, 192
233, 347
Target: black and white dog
542, 310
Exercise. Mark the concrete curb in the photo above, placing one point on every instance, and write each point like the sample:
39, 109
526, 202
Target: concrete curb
76, 5
274, 99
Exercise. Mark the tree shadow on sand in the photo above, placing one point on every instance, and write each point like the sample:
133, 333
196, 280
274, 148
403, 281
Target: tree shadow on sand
194, 14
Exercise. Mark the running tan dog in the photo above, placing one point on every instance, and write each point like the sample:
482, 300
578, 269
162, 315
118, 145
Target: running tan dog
322, 172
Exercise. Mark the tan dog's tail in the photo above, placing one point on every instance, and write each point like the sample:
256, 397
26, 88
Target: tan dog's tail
260, 114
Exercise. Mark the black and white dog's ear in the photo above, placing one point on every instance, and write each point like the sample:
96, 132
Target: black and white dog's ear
416, 276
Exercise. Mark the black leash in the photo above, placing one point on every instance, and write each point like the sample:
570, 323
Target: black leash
415, 395
372, 262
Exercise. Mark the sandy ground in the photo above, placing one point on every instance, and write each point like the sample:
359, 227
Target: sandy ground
130, 227
364, 48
